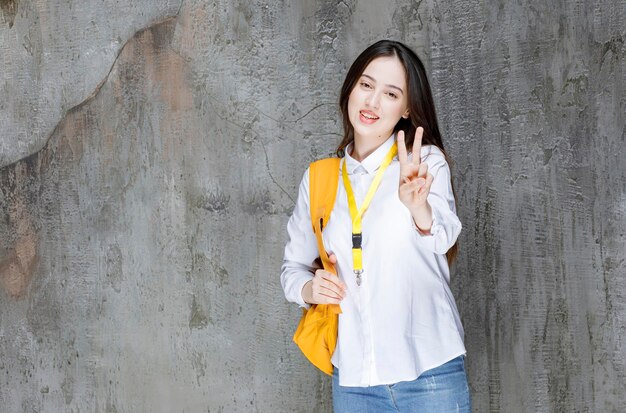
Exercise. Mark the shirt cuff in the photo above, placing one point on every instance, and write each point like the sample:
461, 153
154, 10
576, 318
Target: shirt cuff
298, 285
435, 228
442, 234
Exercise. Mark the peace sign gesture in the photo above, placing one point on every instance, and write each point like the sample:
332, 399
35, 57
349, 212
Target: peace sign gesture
415, 180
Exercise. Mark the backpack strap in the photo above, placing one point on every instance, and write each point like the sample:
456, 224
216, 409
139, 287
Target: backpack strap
323, 182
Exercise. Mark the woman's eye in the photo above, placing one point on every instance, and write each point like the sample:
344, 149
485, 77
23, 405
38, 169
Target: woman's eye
392, 95
365, 85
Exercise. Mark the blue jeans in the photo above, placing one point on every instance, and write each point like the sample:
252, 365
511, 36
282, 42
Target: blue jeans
440, 390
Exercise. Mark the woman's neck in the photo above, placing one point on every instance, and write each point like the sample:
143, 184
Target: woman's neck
362, 148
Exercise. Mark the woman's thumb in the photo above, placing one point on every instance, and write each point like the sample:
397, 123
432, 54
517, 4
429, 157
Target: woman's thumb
332, 258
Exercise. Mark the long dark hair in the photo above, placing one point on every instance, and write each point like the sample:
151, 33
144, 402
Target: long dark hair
420, 98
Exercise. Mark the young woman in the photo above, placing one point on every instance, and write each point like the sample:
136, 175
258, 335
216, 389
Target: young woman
400, 338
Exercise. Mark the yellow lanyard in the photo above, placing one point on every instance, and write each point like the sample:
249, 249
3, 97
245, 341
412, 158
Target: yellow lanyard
357, 251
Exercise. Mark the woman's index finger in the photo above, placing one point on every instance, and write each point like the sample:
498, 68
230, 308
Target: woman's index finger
417, 146
402, 155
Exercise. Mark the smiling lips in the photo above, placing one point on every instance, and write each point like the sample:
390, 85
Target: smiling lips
367, 117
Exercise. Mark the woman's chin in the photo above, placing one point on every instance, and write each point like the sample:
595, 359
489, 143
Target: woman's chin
368, 133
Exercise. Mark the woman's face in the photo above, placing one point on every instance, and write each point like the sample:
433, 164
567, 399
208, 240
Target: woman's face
379, 99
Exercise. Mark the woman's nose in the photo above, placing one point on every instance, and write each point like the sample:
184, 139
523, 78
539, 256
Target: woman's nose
373, 100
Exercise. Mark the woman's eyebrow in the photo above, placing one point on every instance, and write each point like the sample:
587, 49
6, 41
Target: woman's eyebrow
391, 86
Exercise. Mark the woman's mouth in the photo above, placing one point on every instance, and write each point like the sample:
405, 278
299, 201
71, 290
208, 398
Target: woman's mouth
367, 117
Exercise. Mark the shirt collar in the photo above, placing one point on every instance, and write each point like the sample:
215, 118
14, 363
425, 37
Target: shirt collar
373, 160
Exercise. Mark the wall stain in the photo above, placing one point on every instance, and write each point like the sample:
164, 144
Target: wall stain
408, 18
214, 201
197, 319
67, 387
219, 272
199, 365
114, 272
9, 10
16, 269
261, 203
614, 45
202, 265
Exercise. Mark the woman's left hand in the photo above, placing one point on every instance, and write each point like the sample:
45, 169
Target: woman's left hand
415, 180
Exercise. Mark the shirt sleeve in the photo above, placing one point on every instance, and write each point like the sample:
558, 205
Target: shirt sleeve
301, 250
446, 225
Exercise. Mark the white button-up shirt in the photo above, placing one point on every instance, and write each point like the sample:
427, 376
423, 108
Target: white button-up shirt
402, 320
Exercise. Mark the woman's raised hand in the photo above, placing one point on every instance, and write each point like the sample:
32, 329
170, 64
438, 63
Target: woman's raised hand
415, 180
325, 287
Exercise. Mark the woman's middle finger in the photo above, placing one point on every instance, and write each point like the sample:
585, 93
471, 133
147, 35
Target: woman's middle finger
328, 292
331, 286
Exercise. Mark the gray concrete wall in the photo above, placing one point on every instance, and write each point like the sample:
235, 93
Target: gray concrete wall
149, 160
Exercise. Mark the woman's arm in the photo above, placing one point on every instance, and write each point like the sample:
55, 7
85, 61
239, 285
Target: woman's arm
440, 209
301, 249
425, 188
302, 278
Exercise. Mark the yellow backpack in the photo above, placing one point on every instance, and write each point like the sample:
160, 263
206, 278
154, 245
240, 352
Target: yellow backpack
316, 334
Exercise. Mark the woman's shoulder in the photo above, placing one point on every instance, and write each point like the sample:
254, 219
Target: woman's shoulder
432, 150
432, 154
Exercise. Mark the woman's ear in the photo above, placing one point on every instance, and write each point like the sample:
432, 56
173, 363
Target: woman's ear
406, 114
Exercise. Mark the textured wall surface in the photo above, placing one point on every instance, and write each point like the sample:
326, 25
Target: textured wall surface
149, 160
